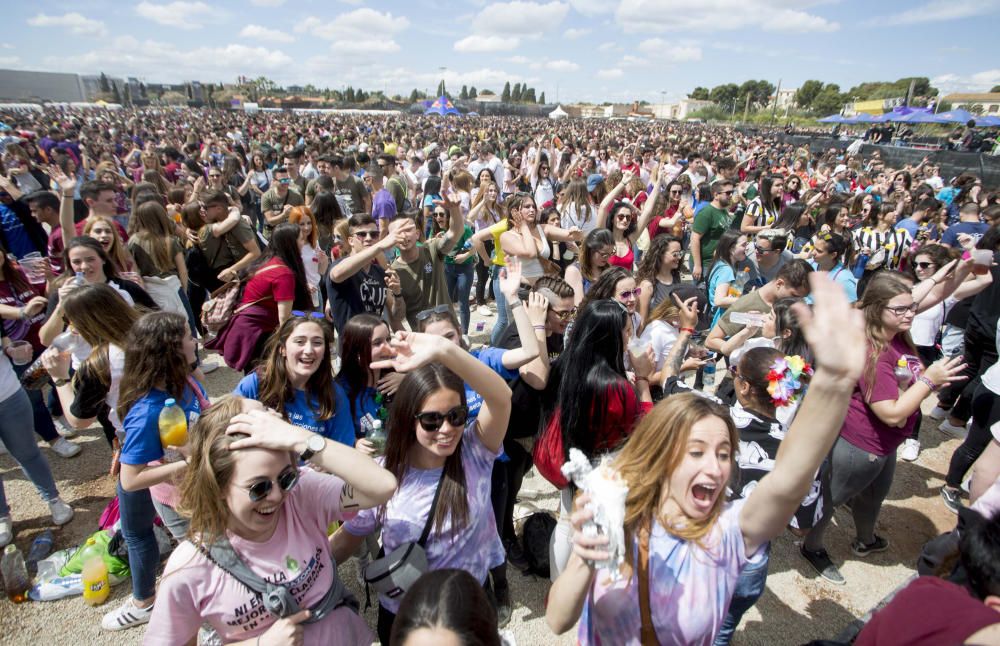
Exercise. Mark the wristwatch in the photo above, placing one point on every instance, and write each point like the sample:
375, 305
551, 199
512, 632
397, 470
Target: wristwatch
314, 445
60, 382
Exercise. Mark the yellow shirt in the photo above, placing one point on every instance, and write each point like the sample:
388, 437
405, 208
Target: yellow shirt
499, 259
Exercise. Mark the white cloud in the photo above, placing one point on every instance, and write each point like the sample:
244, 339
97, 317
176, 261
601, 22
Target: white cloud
592, 7
940, 11
562, 66
573, 33
180, 14
662, 51
376, 48
607, 47
519, 18
76, 23
256, 32
518, 60
475, 43
10, 61
720, 15
612, 73
267, 3
358, 25
978, 82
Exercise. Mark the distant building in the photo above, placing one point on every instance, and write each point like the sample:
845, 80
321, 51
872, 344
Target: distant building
982, 103
25, 86
786, 98
680, 110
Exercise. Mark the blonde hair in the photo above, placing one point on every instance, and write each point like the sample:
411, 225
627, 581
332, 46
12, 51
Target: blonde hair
655, 450
118, 254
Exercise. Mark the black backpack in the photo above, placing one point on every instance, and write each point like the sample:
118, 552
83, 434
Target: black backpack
537, 533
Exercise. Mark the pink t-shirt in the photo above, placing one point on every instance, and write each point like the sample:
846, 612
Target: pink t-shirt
193, 590
862, 427
689, 589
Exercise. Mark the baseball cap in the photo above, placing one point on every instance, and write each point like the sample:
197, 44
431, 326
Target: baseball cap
593, 181
841, 168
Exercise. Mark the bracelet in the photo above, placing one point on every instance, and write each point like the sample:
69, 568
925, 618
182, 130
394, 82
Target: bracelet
517, 303
927, 382
22, 313
689, 330
538, 327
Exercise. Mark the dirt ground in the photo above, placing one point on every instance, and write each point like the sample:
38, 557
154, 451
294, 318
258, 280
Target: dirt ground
797, 606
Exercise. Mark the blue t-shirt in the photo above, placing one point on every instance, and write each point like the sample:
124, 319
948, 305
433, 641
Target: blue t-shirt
909, 225
142, 432
302, 413
721, 273
974, 229
366, 409
18, 241
492, 358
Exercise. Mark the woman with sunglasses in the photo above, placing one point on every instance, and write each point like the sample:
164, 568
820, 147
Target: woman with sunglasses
618, 285
159, 353
672, 218
623, 225
432, 443
883, 410
295, 378
598, 247
659, 273
244, 486
458, 263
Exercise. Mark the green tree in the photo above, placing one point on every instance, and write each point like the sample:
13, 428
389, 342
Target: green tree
995, 88
472, 92
829, 100
414, 96
505, 97
464, 94
805, 95
349, 94
515, 95
725, 95
528, 96
759, 91
541, 99
489, 92
699, 93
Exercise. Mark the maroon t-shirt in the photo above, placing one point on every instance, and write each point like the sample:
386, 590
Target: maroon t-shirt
862, 427
17, 329
928, 612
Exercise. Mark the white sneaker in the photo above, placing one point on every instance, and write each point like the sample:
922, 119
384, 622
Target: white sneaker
209, 366
938, 413
952, 430
61, 512
63, 428
64, 448
484, 310
911, 449
6, 530
127, 616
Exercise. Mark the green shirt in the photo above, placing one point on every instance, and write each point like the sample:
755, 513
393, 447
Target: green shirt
460, 247
422, 282
711, 223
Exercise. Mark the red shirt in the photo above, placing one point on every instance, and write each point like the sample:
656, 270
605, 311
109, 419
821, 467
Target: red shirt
7, 297
269, 286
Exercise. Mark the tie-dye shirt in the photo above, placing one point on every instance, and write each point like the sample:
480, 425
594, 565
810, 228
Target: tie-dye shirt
476, 548
690, 589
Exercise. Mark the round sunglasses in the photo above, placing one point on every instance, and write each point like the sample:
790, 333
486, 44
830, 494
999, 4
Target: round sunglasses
262, 488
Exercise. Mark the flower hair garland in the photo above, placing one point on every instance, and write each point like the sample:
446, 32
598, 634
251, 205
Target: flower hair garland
785, 379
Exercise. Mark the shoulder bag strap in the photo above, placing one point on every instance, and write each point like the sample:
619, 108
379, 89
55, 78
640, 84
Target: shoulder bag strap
648, 633
259, 300
203, 403
430, 516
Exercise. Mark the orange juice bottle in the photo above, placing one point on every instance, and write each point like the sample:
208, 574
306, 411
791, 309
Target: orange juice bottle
96, 586
172, 424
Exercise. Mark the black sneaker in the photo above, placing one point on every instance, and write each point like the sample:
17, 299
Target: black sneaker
824, 566
952, 499
504, 608
516, 557
878, 545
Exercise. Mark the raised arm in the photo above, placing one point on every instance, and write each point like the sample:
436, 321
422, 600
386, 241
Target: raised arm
355, 262
835, 333
526, 319
609, 199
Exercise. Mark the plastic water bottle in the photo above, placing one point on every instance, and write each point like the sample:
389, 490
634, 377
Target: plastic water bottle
172, 424
739, 285
96, 585
903, 373
58, 587
35, 376
40, 548
79, 280
708, 373
15, 575
377, 437
859, 266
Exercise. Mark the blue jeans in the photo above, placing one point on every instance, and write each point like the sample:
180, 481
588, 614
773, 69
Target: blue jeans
18, 436
137, 514
44, 426
459, 280
501, 303
749, 588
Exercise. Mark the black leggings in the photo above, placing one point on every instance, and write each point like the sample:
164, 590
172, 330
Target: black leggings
980, 353
483, 273
985, 413
507, 479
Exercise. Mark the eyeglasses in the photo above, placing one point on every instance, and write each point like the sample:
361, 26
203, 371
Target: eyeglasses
924, 265
629, 293
262, 489
431, 421
623, 216
438, 309
676, 254
440, 213
311, 315
604, 254
565, 315
367, 235
760, 250
901, 310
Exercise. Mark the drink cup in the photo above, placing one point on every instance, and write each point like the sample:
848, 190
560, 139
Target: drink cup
982, 259
20, 352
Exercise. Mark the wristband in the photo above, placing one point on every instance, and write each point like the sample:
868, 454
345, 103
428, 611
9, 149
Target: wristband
646, 379
59, 383
517, 303
22, 313
689, 330
927, 382
538, 327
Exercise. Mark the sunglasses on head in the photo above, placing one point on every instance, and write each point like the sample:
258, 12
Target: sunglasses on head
262, 488
304, 314
437, 309
431, 421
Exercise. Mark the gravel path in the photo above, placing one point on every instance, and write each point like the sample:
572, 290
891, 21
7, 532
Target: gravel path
797, 606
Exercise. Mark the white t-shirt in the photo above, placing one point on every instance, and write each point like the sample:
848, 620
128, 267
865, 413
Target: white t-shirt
926, 324
661, 336
310, 262
570, 217
193, 590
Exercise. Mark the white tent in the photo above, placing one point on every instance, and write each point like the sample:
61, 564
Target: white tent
558, 113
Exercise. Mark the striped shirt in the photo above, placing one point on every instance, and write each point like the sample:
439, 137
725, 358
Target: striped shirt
896, 243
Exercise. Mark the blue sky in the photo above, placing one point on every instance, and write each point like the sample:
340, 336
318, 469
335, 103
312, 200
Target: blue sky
578, 50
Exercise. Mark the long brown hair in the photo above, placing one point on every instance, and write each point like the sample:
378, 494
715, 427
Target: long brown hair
882, 288
356, 351
152, 233
118, 254
416, 388
275, 389
102, 318
154, 359
655, 449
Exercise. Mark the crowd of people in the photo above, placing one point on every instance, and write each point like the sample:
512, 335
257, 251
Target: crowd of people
743, 332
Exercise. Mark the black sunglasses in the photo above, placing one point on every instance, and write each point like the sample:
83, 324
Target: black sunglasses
431, 421
366, 234
924, 265
438, 309
262, 489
